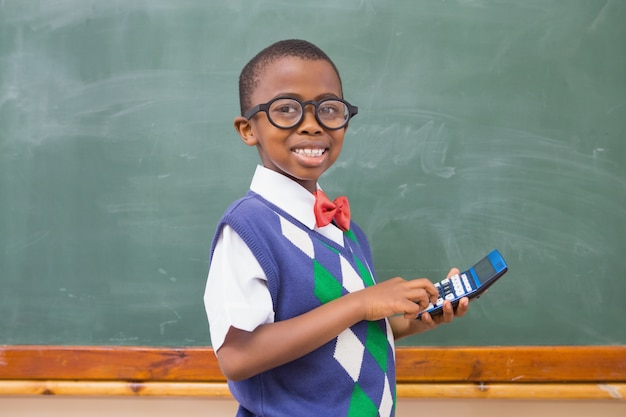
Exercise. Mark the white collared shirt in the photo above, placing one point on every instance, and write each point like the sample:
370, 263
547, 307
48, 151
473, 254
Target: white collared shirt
236, 291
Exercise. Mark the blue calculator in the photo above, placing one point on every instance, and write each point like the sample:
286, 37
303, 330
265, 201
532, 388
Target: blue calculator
471, 283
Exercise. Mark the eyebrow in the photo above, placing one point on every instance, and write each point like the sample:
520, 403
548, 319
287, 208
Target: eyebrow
300, 97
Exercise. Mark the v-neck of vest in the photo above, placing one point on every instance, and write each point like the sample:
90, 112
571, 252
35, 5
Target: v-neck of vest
346, 249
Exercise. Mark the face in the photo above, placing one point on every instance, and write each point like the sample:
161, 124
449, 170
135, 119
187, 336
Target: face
307, 150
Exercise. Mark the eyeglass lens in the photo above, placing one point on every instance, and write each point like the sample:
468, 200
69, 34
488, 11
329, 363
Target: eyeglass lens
287, 113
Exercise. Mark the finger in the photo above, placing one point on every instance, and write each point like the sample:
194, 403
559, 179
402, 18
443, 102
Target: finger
411, 316
412, 310
427, 320
416, 291
448, 311
462, 307
453, 271
429, 287
423, 301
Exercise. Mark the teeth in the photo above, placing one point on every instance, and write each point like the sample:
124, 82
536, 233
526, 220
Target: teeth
310, 152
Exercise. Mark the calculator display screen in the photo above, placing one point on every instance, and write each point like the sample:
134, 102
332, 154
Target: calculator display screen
484, 270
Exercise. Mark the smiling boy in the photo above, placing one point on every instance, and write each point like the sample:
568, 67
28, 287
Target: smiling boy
298, 323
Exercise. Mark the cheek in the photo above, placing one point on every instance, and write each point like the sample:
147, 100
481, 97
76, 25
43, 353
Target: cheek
266, 135
338, 143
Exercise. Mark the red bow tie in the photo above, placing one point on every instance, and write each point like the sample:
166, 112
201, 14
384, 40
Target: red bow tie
326, 211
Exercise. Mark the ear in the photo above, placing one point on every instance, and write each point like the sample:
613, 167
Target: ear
244, 128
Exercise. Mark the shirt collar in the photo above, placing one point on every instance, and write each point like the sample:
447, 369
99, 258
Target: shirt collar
285, 193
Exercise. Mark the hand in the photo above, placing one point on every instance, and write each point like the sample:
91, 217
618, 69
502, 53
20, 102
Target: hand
403, 327
397, 296
449, 313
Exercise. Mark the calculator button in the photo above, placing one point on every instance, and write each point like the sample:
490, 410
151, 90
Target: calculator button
439, 301
458, 287
450, 296
439, 289
466, 283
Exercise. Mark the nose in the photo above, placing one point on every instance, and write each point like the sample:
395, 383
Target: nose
309, 124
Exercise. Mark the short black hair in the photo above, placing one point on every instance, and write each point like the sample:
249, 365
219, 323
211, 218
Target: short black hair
249, 77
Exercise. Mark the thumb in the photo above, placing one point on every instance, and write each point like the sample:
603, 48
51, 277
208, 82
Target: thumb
453, 272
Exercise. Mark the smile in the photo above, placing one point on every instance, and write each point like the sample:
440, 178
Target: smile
310, 152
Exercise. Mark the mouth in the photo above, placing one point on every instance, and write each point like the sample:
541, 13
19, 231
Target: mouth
311, 157
310, 152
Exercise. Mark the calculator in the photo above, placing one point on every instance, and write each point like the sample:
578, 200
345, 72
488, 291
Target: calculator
471, 283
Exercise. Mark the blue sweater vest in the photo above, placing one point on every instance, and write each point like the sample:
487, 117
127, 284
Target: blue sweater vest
352, 375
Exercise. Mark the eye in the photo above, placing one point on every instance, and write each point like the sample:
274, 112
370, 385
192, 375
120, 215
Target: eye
332, 109
286, 107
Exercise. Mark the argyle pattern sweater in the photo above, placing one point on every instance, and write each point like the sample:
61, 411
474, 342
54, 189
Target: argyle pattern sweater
352, 375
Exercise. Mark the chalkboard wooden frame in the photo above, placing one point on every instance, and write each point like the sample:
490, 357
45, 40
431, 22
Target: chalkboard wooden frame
518, 372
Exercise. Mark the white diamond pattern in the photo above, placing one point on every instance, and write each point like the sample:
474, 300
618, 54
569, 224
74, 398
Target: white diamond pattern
386, 404
349, 353
390, 339
351, 279
298, 237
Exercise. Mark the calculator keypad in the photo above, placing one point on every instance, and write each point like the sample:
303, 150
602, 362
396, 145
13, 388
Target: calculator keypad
451, 288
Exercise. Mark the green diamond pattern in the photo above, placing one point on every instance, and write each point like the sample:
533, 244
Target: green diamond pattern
376, 344
364, 272
361, 405
327, 288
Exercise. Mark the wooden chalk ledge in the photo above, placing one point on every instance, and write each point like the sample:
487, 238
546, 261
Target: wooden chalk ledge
519, 372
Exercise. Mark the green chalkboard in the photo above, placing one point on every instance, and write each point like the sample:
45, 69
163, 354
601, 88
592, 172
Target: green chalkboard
483, 124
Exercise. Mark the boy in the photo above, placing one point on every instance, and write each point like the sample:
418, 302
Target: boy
297, 322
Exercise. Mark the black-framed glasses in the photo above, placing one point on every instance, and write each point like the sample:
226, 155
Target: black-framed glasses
287, 112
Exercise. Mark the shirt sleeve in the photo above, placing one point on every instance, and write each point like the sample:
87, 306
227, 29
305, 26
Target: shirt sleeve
236, 292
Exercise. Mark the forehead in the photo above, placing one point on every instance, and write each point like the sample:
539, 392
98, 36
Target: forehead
307, 79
